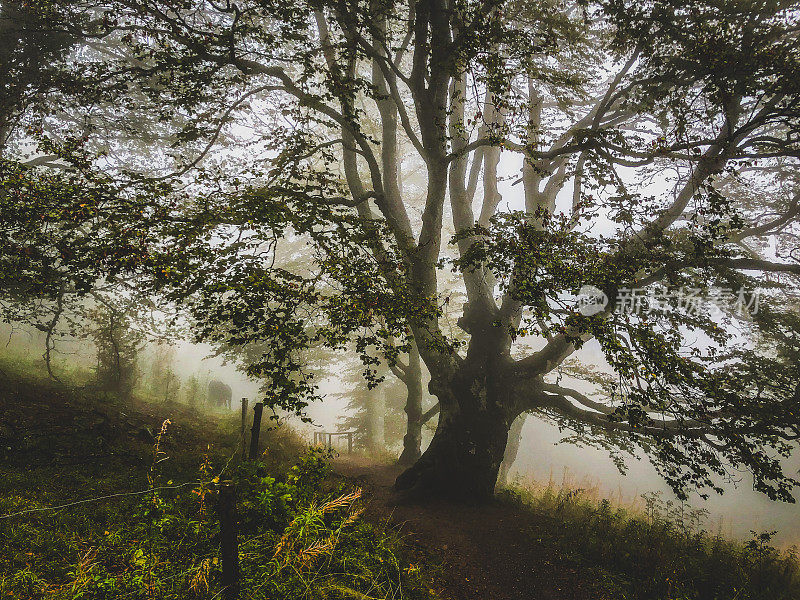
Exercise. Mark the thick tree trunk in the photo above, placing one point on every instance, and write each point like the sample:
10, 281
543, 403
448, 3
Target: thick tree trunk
464, 456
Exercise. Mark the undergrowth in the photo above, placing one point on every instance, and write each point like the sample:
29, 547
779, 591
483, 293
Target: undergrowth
660, 553
300, 537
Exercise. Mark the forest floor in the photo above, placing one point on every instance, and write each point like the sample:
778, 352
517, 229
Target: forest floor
486, 552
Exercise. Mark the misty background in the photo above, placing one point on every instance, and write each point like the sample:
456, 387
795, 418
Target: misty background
541, 459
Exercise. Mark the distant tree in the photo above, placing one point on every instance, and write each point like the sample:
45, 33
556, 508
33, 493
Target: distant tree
117, 345
162, 380
172, 386
193, 392
375, 414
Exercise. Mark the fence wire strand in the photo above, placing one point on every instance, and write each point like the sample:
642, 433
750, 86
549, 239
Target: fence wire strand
123, 494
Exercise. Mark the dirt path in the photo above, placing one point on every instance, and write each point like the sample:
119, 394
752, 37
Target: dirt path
487, 552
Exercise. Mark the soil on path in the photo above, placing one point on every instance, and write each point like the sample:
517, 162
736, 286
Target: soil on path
488, 552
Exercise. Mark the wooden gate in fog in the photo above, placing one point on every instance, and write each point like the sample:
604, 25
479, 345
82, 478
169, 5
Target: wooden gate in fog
325, 438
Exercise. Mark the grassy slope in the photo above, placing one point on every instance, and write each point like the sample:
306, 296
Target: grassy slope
60, 444
659, 553
64, 439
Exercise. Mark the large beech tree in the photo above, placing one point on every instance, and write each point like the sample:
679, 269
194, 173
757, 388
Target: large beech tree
654, 142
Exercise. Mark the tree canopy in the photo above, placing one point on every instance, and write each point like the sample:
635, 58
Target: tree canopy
656, 144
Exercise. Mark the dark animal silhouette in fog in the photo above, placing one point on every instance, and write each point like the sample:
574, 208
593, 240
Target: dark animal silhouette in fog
219, 394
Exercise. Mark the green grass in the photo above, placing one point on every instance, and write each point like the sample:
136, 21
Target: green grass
300, 531
299, 538
657, 553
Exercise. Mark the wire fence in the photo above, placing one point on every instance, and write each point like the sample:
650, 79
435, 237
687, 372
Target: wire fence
148, 490
99, 498
226, 508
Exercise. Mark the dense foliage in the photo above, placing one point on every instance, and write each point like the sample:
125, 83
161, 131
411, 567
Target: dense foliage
656, 144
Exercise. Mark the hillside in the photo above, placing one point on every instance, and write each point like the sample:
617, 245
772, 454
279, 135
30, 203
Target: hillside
48, 427
300, 531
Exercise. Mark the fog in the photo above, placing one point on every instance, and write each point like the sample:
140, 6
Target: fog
541, 457
738, 511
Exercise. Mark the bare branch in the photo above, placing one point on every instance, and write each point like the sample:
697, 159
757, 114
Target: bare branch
752, 264
581, 398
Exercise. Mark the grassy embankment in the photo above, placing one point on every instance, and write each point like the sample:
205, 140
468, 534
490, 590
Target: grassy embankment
300, 532
655, 549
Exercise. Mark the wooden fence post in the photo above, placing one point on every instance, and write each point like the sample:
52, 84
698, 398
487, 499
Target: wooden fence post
256, 430
228, 539
244, 428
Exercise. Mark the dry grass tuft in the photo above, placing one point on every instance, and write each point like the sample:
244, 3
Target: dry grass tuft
198, 585
309, 531
340, 502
